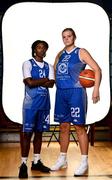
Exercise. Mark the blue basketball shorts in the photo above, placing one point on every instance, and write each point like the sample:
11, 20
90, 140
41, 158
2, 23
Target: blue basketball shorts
34, 120
70, 106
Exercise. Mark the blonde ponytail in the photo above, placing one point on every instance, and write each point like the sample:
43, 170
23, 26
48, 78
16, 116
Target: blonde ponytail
57, 58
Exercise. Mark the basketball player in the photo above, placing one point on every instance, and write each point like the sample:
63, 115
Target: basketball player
71, 98
38, 77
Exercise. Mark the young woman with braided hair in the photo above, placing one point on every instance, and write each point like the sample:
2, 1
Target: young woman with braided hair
38, 77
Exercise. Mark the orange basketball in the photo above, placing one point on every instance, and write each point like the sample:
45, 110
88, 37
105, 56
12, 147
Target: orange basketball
87, 78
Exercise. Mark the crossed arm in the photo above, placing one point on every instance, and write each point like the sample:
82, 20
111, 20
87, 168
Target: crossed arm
45, 82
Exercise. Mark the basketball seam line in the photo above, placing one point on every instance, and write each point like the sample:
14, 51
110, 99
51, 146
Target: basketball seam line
87, 78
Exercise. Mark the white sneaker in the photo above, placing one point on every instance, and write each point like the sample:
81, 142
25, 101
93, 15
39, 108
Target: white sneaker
82, 169
60, 163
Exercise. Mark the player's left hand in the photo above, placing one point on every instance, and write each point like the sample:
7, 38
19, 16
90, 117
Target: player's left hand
95, 96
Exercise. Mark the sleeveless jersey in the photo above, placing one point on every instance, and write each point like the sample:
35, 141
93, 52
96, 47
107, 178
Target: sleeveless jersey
68, 69
37, 97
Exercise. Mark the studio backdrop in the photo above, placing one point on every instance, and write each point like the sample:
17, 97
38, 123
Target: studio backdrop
23, 23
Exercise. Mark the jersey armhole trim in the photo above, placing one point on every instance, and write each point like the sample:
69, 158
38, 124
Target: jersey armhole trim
80, 57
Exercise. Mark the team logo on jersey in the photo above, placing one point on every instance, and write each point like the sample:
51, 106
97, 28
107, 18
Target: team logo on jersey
34, 65
63, 68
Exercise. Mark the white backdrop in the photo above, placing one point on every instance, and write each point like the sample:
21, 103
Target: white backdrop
23, 23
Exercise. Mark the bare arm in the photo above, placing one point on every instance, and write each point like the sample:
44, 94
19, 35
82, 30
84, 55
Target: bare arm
49, 83
35, 82
87, 58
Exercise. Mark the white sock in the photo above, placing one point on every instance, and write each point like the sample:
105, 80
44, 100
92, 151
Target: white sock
84, 158
24, 160
36, 157
62, 155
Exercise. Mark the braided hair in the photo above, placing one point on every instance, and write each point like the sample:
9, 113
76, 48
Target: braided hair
36, 43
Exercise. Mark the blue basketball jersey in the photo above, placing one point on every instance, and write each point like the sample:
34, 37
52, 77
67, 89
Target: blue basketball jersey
37, 97
71, 98
68, 69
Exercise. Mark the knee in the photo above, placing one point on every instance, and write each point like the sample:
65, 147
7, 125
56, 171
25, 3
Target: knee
65, 128
26, 135
80, 130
